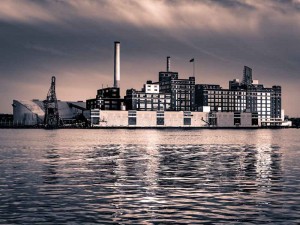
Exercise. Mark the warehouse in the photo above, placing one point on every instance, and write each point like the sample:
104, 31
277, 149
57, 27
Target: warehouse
32, 112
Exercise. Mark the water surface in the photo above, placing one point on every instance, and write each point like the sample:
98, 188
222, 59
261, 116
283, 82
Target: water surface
149, 176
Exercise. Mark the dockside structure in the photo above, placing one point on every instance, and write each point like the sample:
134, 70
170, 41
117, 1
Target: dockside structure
245, 96
172, 102
244, 104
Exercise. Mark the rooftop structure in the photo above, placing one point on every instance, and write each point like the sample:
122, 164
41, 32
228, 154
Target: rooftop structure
109, 98
182, 90
247, 76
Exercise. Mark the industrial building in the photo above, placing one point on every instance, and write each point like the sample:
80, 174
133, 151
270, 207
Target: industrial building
168, 102
106, 99
148, 99
172, 119
243, 104
32, 112
49, 113
182, 90
109, 98
133, 118
247, 96
6, 120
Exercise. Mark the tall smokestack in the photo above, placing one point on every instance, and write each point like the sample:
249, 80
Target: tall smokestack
168, 64
117, 65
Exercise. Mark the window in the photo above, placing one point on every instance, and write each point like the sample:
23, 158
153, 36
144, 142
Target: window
131, 120
95, 120
237, 121
160, 121
187, 121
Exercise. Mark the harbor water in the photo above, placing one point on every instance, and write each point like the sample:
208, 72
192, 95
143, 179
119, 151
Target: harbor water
176, 176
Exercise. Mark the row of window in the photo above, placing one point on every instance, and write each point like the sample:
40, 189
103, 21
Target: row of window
159, 121
241, 93
238, 98
161, 96
149, 101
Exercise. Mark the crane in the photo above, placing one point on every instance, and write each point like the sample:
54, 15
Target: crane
51, 120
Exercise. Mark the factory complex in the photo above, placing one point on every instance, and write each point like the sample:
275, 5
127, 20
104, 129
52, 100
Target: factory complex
169, 102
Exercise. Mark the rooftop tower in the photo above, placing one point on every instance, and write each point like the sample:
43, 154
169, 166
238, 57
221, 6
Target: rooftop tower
247, 76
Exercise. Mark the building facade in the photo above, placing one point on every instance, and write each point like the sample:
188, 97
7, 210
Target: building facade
148, 99
182, 90
169, 119
106, 99
242, 97
157, 119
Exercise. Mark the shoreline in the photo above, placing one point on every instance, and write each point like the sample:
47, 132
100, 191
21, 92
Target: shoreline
155, 128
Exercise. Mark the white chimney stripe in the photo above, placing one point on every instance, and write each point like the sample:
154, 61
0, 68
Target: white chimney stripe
117, 65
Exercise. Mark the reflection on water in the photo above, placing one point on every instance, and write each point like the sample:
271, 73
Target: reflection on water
250, 176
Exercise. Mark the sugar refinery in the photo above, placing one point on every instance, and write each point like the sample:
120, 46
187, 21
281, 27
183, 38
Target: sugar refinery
170, 102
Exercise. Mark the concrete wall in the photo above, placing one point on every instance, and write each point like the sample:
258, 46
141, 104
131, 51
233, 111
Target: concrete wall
174, 119
225, 119
171, 119
198, 117
246, 119
146, 118
111, 118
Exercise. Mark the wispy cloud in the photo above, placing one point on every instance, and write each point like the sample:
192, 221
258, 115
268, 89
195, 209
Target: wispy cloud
48, 50
225, 15
25, 11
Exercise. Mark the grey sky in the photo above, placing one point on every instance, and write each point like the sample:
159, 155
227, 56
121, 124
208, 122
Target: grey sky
73, 40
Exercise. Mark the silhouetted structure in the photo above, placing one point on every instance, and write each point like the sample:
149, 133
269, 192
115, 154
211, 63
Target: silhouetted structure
247, 76
51, 119
106, 99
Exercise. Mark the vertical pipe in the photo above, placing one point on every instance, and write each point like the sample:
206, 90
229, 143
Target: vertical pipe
168, 64
117, 65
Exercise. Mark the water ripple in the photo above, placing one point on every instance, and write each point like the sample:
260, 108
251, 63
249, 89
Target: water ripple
151, 182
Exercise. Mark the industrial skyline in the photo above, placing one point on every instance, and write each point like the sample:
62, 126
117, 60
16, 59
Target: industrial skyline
73, 41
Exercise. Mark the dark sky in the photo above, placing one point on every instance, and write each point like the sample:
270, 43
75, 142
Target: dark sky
73, 40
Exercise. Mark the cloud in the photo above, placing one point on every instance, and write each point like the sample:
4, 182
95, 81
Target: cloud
74, 39
217, 15
45, 49
25, 11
